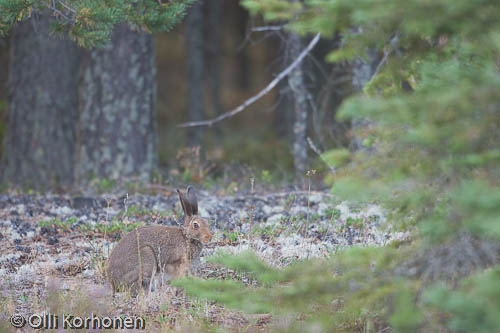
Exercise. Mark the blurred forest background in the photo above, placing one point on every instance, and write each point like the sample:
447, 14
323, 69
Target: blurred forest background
394, 103
213, 61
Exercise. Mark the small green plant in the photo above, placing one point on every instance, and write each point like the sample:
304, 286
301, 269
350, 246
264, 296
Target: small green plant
357, 223
162, 319
186, 176
333, 213
266, 177
314, 217
232, 188
117, 226
23, 298
267, 230
289, 201
232, 236
105, 185
64, 225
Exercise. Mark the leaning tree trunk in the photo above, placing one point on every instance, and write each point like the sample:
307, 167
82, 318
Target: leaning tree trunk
299, 93
38, 147
195, 71
117, 126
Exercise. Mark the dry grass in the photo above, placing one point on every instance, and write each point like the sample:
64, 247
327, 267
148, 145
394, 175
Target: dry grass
79, 287
70, 276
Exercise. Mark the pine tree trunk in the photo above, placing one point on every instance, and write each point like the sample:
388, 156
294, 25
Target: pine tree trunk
362, 72
38, 148
299, 102
244, 74
215, 41
117, 126
195, 71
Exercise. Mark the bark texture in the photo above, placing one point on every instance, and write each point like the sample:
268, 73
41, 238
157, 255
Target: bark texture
299, 95
195, 71
117, 126
38, 148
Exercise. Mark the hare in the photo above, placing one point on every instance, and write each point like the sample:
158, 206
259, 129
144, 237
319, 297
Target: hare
143, 252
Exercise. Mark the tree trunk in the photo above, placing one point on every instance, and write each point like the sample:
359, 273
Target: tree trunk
244, 75
38, 147
215, 41
362, 72
299, 101
117, 124
195, 71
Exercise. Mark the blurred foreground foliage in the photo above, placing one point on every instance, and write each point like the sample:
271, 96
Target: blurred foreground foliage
90, 22
433, 121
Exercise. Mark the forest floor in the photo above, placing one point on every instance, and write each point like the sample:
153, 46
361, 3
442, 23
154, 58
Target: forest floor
54, 249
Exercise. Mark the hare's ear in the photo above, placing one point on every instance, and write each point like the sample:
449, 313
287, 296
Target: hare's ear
186, 206
191, 195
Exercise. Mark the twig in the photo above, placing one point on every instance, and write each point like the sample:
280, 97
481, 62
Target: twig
387, 53
382, 62
61, 14
317, 151
69, 20
67, 6
264, 91
248, 34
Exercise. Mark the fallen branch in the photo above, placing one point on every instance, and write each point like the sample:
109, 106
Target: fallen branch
264, 91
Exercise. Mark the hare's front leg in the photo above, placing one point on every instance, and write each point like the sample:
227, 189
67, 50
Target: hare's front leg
181, 269
177, 269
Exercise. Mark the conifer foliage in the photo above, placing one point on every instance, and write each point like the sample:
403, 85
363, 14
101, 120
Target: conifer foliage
433, 108
90, 22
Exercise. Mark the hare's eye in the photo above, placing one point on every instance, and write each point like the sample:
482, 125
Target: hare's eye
196, 225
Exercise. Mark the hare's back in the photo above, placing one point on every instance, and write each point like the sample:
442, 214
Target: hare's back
153, 236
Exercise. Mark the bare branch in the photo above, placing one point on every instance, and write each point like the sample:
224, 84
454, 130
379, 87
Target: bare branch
382, 62
317, 151
264, 91
248, 35
56, 11
269, 28
387, 52
62, 3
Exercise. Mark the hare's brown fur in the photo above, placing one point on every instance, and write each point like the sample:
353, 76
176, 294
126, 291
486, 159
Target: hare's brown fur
159, 249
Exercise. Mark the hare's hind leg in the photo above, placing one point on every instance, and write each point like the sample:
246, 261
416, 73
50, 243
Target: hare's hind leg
147, 268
